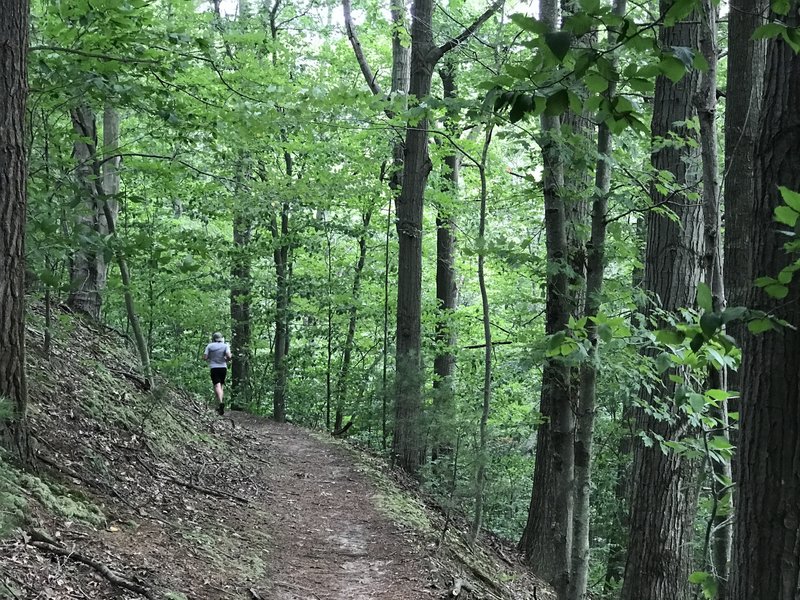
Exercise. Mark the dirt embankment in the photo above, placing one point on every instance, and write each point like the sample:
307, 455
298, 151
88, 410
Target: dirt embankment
150, 494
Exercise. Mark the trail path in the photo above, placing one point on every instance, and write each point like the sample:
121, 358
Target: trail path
330, 540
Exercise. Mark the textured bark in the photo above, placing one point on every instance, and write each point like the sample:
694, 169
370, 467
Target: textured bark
742, 109
706, 100
407, 446
664, 491
342, 382
282, 299
547, 538
241, 293
584, 429
767, 537
444, 362
87, 267
13, 201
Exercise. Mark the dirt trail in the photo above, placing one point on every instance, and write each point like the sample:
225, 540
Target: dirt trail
330, 540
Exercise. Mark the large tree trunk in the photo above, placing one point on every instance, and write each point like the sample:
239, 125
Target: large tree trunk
444, 362
13, 199
664, 491
768, 500
547, 538
584, 434
407, 446
742, 109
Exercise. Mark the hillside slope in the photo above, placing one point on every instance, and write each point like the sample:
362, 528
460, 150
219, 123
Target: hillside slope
151, 494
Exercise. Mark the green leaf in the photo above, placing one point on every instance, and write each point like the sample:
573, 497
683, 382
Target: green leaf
663, 362
697, 342
559, 43
672, 68
557, 104
733, 313
596, 82
704, 299
527, 23
777, 291
720, 442
670, 336
781, 7
792, 199
522, 104
770, 30
786, 215
719, 395
710, 322
760, 325
697, 402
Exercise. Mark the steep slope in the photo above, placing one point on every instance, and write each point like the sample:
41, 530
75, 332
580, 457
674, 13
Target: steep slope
150, 494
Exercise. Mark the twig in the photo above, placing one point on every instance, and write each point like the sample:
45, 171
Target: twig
44, 542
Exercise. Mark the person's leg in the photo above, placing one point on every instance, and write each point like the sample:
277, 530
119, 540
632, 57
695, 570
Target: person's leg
219, 392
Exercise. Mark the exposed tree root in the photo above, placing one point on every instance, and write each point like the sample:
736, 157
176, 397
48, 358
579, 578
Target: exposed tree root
44, 542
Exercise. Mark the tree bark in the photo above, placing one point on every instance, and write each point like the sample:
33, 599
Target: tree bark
349, 342
446, 293
584, 434
721, 476
281, 258
664, 491
241, 293
547, 538
407, 446
767, 535
87, 267
480, 477
742, 108
13, 204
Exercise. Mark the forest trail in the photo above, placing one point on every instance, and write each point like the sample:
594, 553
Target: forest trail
330, 540
143, 493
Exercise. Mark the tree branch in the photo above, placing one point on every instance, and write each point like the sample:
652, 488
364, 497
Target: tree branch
123, 59
362, 61
468, 32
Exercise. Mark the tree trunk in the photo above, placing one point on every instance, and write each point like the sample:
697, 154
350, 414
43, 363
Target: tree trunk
13, 200
87, 267
480, 478
446, 295
281, 258
595, 257
768, 500
547, 538
664, 491
349, 342
407, 444
241, 294
706, 109
742, 108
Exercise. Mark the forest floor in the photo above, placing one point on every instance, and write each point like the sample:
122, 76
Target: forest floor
150, 494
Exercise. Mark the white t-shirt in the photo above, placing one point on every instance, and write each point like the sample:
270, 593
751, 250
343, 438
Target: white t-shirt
216, 353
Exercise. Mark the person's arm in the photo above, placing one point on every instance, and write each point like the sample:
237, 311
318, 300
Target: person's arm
205, 354
228, 355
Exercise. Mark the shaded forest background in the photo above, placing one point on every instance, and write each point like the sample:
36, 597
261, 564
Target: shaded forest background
542, 257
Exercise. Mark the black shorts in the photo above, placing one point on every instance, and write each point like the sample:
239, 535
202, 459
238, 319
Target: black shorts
218, 375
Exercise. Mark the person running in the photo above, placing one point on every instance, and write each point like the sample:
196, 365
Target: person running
218, 354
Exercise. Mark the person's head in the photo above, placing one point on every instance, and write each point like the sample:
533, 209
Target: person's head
217, 337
